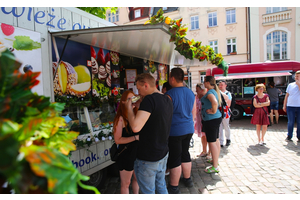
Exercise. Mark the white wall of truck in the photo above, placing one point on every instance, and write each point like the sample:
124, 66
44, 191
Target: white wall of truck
45, 19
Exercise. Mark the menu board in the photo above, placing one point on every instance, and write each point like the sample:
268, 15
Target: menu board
234, 86
130, 75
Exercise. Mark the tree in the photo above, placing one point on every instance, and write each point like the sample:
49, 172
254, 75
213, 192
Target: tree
99, 11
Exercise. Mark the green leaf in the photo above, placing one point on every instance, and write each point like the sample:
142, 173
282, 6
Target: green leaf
25, 43
62, 176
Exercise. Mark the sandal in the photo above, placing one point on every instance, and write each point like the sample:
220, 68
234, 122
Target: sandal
202, 154
209, 157
211, 170
210, 161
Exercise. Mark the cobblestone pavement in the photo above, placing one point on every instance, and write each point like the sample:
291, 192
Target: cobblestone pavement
245, 166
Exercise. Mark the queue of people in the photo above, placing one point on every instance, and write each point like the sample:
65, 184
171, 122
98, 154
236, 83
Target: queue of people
156, 130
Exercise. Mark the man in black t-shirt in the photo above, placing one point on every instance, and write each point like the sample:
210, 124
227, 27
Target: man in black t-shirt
153, 122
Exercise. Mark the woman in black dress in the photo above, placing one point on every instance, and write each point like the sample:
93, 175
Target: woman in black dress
125, 138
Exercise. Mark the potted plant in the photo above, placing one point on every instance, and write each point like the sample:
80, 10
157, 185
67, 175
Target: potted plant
233, 53
34, 144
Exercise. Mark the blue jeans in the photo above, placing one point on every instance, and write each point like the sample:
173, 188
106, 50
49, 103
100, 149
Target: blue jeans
151, 175
293, 112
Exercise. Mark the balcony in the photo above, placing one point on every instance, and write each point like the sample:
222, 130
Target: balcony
277, 17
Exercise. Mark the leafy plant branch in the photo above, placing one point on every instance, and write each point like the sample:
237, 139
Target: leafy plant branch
190, 49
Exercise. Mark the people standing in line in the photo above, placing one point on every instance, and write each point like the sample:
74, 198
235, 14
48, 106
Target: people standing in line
166, 87
212, 118
260, 118
225, 120
292, 106
201, 91
274, 99
126, 138
182, 130
153, 122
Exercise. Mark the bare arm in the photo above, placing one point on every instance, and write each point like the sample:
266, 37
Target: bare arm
194, 110
214, 104
285, 101
137, 121
118, 134
228, 101
260, 105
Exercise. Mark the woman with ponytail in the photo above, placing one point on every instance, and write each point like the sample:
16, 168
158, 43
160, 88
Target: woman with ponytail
212, 118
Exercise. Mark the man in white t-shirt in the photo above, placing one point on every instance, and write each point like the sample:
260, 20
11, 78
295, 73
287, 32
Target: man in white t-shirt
225, 121
292, 106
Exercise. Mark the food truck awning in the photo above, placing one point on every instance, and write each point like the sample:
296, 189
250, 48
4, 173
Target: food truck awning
256, 70
149, 42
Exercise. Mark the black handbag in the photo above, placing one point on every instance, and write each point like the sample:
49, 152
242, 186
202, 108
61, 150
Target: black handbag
114, 151
266, 113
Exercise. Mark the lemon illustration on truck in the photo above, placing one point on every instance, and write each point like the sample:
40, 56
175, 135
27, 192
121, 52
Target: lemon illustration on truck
72, 80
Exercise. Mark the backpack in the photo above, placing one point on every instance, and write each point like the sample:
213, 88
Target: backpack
232, 101
224, 108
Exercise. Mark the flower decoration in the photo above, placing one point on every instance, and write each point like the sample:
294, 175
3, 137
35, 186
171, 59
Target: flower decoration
188, 48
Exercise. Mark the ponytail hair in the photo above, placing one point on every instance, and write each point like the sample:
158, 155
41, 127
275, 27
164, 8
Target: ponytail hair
212, 82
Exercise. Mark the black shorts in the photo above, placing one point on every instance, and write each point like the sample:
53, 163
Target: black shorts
179, 150
211, 129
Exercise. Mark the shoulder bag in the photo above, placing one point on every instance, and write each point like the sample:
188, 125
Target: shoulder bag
114, 151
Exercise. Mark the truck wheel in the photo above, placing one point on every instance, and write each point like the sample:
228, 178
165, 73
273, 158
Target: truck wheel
237, 112
97, 180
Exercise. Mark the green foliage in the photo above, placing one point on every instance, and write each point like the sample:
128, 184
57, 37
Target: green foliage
99, 11
34, 144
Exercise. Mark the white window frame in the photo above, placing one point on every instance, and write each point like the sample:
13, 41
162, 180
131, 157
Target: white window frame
214, 45
230, 13
194, 22
109, 17
212, 16
288, 39
275, 9
280, 43
113, 17
135, 13
232, 44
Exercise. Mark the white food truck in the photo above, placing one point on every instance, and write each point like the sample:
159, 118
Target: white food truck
87, 62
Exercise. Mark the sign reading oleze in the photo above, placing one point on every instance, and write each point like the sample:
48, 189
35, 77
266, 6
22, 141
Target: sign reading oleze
40, 17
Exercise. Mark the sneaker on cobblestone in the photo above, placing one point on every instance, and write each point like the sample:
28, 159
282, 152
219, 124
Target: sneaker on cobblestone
172, 191
288, 139
227, 142
188, 182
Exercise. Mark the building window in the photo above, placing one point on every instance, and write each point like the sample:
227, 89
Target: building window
113, 17
212, 19
214, 45
164, 8
231, 45
230, 16
137, 13
277, 45
109, 19
275, 9
194, 22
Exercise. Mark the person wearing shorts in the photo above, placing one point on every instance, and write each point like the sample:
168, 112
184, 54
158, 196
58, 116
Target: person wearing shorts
212, 119
274, 98
182, 130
